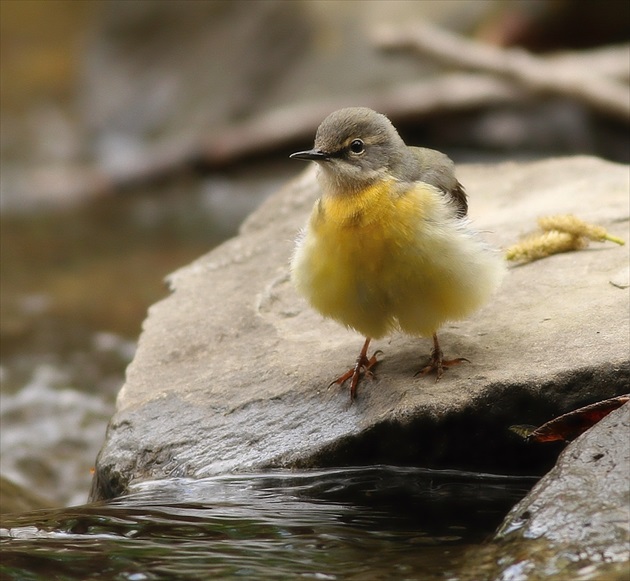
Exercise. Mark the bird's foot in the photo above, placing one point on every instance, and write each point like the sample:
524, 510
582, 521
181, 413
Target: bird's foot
437, 363
363, 363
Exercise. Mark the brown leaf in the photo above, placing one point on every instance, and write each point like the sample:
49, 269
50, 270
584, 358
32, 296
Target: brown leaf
569, 426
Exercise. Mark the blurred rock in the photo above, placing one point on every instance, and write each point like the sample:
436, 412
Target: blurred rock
158, 80
16, 499
232, 369
153, 70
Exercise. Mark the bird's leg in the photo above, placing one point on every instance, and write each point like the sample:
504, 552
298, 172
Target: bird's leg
437, 362
363, 362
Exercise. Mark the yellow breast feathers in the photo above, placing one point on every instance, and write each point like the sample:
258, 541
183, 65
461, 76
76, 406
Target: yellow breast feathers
384, 259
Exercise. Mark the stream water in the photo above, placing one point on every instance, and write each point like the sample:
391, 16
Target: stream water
76, 284
363, 523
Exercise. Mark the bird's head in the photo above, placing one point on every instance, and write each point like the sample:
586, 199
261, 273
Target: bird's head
354, 148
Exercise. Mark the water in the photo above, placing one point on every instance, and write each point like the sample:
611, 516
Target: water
378, 523
76, 285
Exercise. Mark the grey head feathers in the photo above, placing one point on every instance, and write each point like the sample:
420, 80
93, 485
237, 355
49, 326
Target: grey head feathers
355, 147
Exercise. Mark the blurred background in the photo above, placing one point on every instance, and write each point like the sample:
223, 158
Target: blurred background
137, 134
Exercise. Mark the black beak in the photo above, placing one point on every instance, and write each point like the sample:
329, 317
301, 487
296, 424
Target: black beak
310, 155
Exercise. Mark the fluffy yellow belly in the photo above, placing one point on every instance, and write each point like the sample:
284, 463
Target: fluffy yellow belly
377, 263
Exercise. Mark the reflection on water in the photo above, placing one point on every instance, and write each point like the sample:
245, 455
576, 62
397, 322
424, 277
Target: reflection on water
376, 523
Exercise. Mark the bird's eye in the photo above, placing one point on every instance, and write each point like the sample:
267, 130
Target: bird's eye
357, 146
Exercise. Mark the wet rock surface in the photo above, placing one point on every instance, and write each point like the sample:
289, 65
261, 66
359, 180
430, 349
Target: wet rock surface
232, 368
575, 523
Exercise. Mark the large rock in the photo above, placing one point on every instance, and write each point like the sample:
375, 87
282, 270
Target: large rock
232, 369
575, 523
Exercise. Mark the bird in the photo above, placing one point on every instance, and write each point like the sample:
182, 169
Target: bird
388, 246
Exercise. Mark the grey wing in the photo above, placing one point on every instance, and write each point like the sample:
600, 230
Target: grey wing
435, 168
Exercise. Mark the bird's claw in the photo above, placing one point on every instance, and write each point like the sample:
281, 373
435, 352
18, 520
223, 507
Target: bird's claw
438, 364
363, 363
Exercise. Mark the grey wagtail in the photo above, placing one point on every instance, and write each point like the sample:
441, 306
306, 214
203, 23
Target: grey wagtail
388, 246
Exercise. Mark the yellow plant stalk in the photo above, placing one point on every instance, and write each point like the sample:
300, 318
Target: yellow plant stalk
542, 245
561, 233
573, 225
